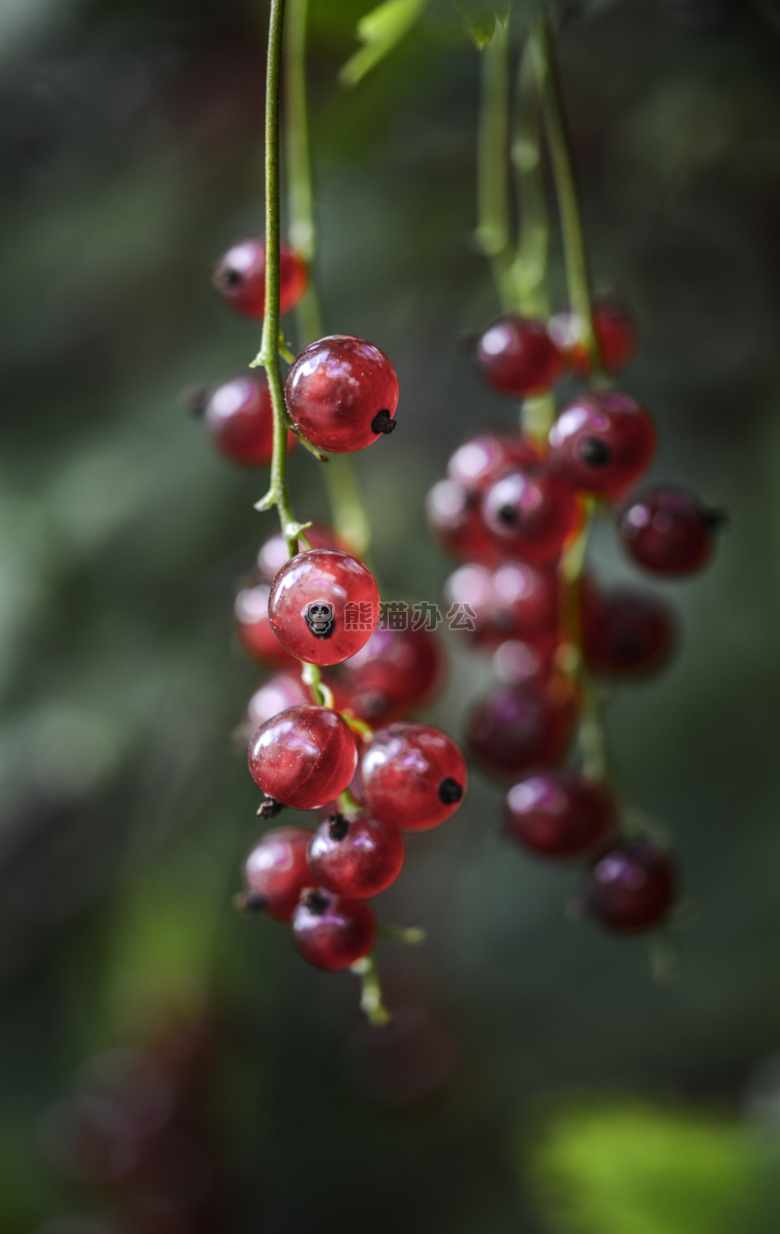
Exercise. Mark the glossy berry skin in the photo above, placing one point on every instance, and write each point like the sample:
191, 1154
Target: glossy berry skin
602, 443
517, 357
311, 580
239, 277
277, 870
403, 667
279, 692
413, 775
254, 629
532, 514
455, 521
342, 393
518, 727
668, 532
632, 887
303, 757
558, 813
626, 633
516, 601
356, 857
239, 418
331, 931
273, 552
480, 460
616, 334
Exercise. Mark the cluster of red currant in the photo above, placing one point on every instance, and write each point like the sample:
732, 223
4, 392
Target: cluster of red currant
316, 608
516, 510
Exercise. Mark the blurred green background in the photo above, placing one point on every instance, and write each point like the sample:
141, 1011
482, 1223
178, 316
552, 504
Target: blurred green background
538, 1080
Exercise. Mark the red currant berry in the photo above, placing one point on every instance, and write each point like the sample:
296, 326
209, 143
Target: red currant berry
277, 870
240, 421
480, 460
356, 857
323, 606
602, 443
413, 775
616, 334
303, 757
240, 277
532, 514
516, 601
626, 633
516, 356
632, 887
517, 727
274, 695
516, 662
254, 629
331, 931
669, 532
403, 667
342, 393
273, 553
455, 521
558, 813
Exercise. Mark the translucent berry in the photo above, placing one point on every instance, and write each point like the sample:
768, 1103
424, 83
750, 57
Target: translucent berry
516, 601
413, 775
239, 277
303, 757
480, 460
342, 393
331, 931
632, 887
518, 727
356, 857
616, 334
277, 870
323, 606
274, 695
532, 514
516, 356
669, 532
403, 668
558, 813
455, 521
516, 662
254, 629
602, 443
273, 552
239, 419
627, 632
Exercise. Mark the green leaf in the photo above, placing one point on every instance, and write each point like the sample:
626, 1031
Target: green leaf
380, 31
480, 17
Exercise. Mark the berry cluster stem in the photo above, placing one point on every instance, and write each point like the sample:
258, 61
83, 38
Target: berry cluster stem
372, 1002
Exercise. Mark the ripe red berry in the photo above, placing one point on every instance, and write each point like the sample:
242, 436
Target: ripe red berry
602, 442
323, 606
331, 931
303, 757
273, 552
627, 632
480, 460
517, 727
342, 393
516, 662
239, 419
403, 668
254, 629
668, 531
413, 775
516, 356
558, 813
616, 333
274, 695
532, 514
277, 870
516, 601
632, 886
356, 857
455, 520
239, 277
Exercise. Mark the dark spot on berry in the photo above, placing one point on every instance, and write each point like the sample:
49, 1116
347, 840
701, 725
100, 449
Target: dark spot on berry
316, 901
383, 422
508, 515
228, 277
338, 826
450, 791
270, 808
593, 452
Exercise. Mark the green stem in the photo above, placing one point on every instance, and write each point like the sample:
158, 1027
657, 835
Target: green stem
529, 268
371, 1000
493, 229
575, 252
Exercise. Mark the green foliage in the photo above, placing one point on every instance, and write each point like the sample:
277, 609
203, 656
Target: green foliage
632, 1169
380, 31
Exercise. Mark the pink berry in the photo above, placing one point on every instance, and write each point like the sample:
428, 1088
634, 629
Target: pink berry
413, 775
516, 601
331, 931
240, 277
626, 633
632, 886
274, 695
356, 857
403, 667
516, 356
517, 727
532, 514
669, 532
303, 757
455, 520
342, 393
239, 418
616, 334
323, 606
602, 443
558, 813
273, 552
481, 460
254, 629
277, 870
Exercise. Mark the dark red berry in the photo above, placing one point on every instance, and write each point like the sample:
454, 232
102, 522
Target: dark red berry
273, 553
455, 520
632, 887
602, 443
516, 601
254, 629
532, 514
616, 334
323, 606
277, 870
480, 460
240, 420
517, 727
413, 775
356, 857
558, 813
626, 633
342, 393
331, 931
516, 662
303, 757
240, 277
668, 531
402, 667
274, 695
516, 356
